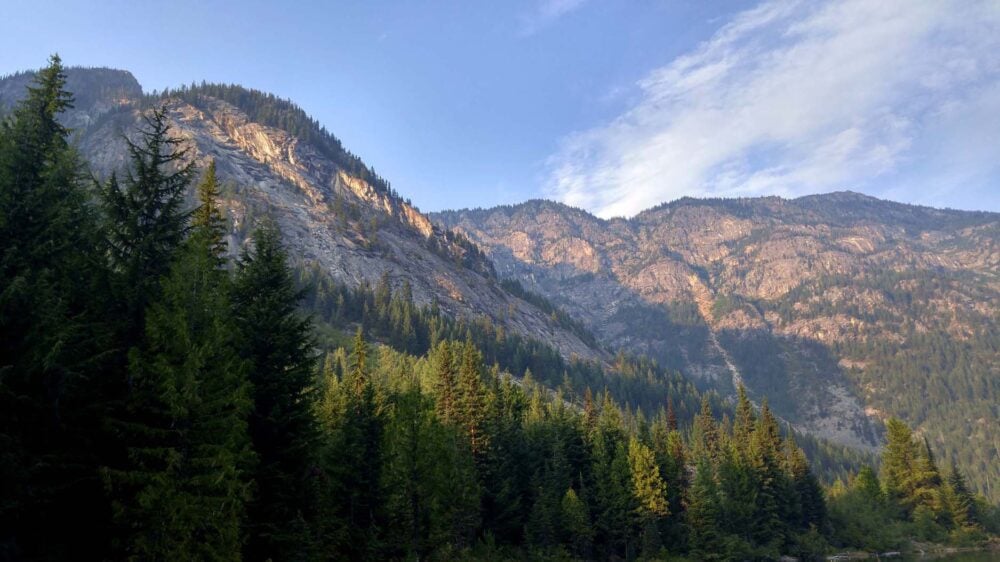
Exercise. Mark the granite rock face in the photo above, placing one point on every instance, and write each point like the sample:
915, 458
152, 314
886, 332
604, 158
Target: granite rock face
328, 217
775, 294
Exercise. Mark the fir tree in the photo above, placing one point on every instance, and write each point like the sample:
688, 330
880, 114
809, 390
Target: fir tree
207, 215
184, 490
774, 496
276, 341
446, 387
706, 432
146, 222
53, 334
470, 401
577, 529
650, 492
703, 513
359, 458
897, 460
961, 504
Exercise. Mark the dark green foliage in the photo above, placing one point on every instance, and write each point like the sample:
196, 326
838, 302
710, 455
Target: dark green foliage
391, 316
207, 217
277, 343
929, 361
702, 513
912, 501
355, 458
182, 492
52, 333
146, 221
559, 316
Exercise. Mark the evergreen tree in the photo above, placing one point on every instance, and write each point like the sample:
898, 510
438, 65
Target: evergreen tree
774, 497
650, 492
866, 482
276, 341
446, 387
470, 401
613, 502
897, 460
146, 222
419, 477
923, 485
207, 215
577, 529
706, 432
961, 504
671, 415
808, 495
703, 513
183, 493
504, 462
358, 459
52, 334
743, 426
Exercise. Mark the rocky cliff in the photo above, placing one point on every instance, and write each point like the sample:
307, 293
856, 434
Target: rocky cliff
329, 213
841, 308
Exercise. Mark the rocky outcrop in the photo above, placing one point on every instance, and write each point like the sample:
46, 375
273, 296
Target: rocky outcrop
760, 291
353, 231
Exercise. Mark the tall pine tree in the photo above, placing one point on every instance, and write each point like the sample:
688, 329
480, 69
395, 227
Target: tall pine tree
183, 491
276, 341
52, 333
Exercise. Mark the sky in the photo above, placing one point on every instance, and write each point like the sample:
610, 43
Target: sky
608, 105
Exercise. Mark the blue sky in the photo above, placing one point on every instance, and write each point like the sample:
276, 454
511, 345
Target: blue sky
609, 105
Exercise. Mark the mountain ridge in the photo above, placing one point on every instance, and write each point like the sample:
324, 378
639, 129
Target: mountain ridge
699, 287
347, 220
831, 305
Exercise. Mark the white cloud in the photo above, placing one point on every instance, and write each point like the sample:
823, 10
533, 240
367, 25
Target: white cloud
800, 97
545, 12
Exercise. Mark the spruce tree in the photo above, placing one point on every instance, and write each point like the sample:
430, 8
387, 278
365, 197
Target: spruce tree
207, 216
743, 425
145, 218
470, 400
358, 459
650, 493
577, 529
811, 505
923, 485
703, 512
419, 477
774, 493
503, 466
706, 432
897, 461
276, 342
52, 333
183, 492
446, 387
961, 504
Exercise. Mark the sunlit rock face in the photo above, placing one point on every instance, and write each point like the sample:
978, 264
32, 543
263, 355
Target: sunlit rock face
785, 296
329, 217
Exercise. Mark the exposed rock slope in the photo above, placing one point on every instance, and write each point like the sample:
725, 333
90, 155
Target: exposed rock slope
815, 302
353, 230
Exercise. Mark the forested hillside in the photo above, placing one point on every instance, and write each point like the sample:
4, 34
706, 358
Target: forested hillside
844, 310
163, 400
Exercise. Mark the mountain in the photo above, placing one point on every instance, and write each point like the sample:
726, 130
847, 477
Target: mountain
841, 309
764, 292
336, 213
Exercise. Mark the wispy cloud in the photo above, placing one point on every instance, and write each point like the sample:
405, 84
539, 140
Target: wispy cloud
545, 12
801, 97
